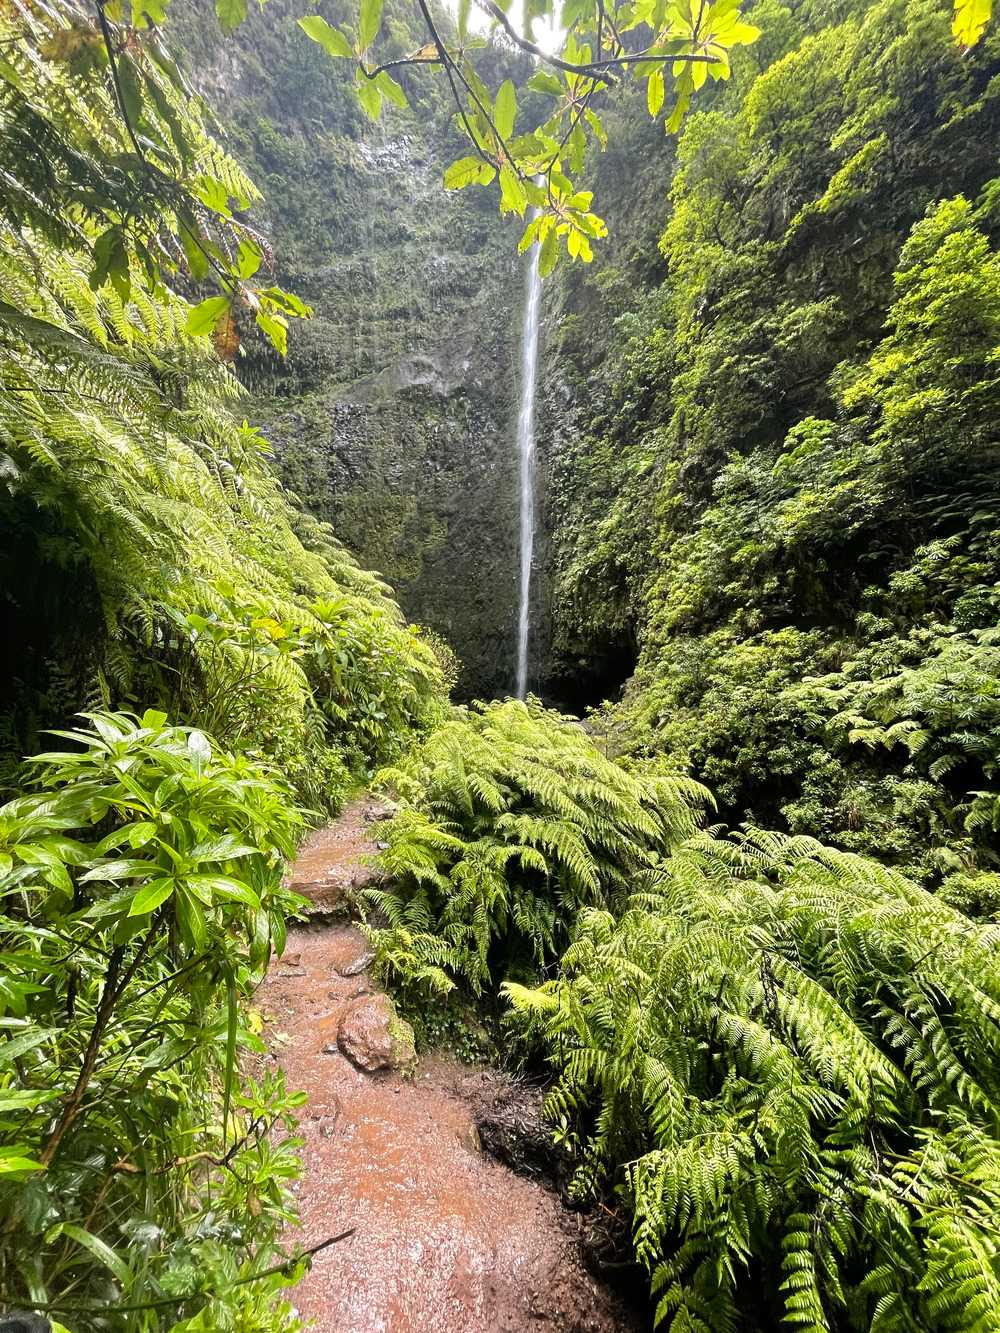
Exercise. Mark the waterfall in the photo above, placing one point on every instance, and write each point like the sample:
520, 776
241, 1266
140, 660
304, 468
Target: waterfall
526, 462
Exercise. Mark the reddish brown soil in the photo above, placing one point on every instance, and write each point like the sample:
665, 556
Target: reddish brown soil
446, 1240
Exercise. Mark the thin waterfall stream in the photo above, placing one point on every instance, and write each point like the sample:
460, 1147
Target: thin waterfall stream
526, 463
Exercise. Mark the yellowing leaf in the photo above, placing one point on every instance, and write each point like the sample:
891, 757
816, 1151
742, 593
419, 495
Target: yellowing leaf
226, 338
654, 92
971, 18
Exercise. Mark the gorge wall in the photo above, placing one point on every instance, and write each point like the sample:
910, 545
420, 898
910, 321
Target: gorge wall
393, 416
767, 492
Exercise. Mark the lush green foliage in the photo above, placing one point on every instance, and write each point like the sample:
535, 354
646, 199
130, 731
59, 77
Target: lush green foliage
802, 447
779, 1058
784, 1060
672, 49
511, 821
150, 558
166, 566
141, 896
104, 142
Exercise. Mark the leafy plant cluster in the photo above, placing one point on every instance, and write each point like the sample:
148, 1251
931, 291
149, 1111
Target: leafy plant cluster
144, 1174
780, 1060
775, 1060
152, 556
671, 49
511, 822
802, 444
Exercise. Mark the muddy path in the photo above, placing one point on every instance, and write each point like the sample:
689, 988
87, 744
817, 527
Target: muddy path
445, 1238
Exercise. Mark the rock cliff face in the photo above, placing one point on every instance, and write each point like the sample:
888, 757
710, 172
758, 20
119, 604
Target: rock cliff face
393, 416
586, 641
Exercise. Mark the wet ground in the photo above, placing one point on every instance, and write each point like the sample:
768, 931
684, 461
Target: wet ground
446, 1240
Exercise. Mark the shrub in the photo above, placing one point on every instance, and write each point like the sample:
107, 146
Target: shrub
140, 899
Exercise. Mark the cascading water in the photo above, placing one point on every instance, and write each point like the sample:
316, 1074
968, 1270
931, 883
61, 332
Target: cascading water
526, 462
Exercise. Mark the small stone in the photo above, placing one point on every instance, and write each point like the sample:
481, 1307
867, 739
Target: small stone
373, 1036
360, 964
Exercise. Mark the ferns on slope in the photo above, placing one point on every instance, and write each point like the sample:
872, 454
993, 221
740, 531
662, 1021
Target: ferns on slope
120, 452
786, 1060
511, 821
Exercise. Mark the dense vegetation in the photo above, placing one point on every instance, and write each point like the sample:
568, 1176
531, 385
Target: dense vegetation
141, 898
779, 1057
151, 560
149, 554
775, 1058
799, 437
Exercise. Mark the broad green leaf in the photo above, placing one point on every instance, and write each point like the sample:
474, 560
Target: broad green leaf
203, 318
369, 20
513, 198
207, 887
199, 748
249, 258
543, 82
14, 1160
468, 171
25, 1100
194, 253
122, 869
191, 920
225, 847
231, 13
389, 88
549, 254
654, 92
369, 96
332, 40
151, 895
287, 300
276, 330
505, 110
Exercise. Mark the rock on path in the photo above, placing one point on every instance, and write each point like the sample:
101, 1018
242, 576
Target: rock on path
446, 1240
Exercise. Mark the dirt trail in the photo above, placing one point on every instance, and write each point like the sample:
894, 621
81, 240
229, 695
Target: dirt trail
446, 1240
